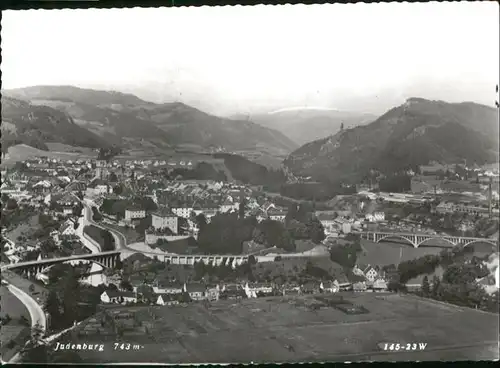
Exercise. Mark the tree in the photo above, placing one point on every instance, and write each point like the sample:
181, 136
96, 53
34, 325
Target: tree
37, 333
297, 229
201, 220
316, 230
199, 269
146, 291
112, 177
118, 189
119, 264
38, 354
71, 292
126, 285
32, 288
341, 126
57, 272
5, 198
436, 284
258, 236
112, 286
11, 204
425, 286
242, 208
458, 274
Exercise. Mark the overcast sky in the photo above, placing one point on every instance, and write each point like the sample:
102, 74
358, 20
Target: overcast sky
247, 59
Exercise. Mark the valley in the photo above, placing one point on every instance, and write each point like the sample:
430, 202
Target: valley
250, 184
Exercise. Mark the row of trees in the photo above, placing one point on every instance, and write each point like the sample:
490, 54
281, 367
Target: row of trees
202, 171
428, 263
250, 172
226, 232
12, 218
458, 286
64, 295
224, 272
346, 255
395, 183
321, 191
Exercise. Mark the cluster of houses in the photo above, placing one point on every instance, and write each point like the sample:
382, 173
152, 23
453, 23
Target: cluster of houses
170, 294
185, 199
373, 279
15, 252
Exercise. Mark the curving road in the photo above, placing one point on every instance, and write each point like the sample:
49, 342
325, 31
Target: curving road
96, 277
140, 247
36, 312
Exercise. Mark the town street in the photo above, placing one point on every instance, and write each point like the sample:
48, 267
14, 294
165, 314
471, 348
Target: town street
96, 277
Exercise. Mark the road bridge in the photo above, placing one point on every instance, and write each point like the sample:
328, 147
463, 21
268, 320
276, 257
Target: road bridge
31, 268
416, 239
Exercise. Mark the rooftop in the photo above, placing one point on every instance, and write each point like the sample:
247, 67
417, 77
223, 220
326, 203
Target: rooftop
164, 212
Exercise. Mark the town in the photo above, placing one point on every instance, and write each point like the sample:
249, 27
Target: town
184, 241
324, 188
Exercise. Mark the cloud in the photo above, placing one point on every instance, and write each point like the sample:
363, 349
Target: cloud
265, 57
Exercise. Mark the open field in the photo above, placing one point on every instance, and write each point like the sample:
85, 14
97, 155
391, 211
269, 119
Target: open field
22, 152
168, 155
26, 228
24, 284
14, 330
15, 309
64, 148
283, 329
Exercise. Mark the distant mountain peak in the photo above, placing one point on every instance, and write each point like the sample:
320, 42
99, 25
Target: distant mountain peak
125, 120
298, 108
408, 135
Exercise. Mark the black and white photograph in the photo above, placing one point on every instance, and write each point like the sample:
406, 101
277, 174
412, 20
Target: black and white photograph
250, 184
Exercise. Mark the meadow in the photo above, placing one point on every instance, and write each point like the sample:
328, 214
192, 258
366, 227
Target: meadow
285, 329
14, 329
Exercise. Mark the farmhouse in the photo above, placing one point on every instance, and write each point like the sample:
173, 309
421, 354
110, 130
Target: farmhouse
168, 288
252, 290
196, 291
310, 287
67, 228
359, 286
121, 297
213, 293
167, 299
379, 285
329, 286
371, 273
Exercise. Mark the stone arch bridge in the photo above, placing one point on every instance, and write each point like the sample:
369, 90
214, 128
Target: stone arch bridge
109, 260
